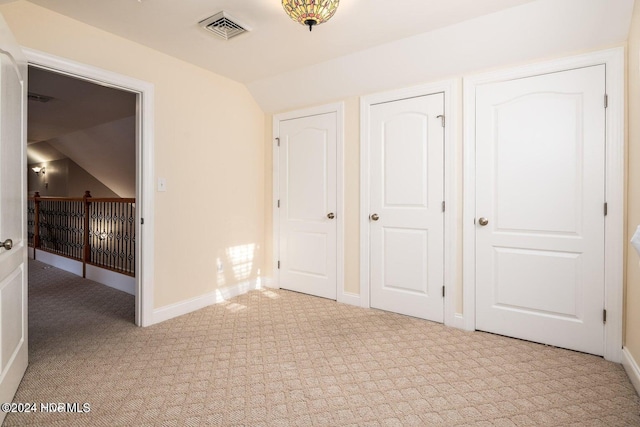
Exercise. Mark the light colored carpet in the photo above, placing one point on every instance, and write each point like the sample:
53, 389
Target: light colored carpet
278, 358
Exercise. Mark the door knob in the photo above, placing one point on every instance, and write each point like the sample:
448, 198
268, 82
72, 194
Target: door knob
7, 244
374, 217
483, 221
331, 215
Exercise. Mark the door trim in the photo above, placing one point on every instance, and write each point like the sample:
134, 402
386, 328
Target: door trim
614, 176
337, 108
144, 164
451, 90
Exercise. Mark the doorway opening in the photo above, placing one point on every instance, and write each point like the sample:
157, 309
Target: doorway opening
141, 217
81, 178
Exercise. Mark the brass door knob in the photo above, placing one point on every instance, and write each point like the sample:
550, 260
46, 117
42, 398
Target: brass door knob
331, 215
374, 217
483, 221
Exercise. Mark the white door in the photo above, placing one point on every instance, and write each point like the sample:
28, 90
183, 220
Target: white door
13, 256
540, 188
307, 179
406, 207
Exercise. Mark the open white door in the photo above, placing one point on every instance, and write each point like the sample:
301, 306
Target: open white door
13, 251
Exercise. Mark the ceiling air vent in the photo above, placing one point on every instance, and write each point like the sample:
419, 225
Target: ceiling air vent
224, 26
32, 96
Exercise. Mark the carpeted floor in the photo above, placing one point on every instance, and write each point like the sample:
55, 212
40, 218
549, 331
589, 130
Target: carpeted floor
278, 358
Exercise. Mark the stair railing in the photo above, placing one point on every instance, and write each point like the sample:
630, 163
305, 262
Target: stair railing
95, 231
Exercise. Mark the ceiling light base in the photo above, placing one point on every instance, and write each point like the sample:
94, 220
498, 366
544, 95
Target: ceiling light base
310, 23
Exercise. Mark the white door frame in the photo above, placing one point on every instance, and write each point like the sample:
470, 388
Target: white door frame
144, 164
451, 90
615, 167
337, 108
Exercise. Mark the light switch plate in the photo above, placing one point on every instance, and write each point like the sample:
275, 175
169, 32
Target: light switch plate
162, 184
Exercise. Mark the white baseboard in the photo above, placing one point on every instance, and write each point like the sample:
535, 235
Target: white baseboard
219, 295
109, 278
183, 307
241, 288
118, 281
63, 263
631, 366
349, 298
457, 321
269, 282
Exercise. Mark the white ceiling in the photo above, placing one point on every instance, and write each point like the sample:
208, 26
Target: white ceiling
531, 32
275, 44
368, 46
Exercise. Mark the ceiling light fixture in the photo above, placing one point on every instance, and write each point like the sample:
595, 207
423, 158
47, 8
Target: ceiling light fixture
38, 170
310, 12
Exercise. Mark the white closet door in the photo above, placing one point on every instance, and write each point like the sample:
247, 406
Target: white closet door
540, 169
407, 219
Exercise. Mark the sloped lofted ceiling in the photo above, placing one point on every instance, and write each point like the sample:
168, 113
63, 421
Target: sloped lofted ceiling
74, 105
275, 44
368, 46
91, 124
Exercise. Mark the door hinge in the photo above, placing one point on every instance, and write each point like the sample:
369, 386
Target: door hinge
442, 119
278, 265
443, 206
443, 292
142, 221
604, 316
278, 202
606, 101
278, 141
606, 208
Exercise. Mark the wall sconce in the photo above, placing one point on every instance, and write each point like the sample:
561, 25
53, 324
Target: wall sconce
38, 170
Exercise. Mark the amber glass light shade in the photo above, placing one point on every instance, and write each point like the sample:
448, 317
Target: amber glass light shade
310, 12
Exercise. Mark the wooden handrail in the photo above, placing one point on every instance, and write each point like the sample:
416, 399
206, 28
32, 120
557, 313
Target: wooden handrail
37, 197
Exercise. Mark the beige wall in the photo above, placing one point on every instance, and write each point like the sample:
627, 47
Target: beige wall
352, 195
268, 195
632, 289
81, 181
209, 135
65, 178
54, 182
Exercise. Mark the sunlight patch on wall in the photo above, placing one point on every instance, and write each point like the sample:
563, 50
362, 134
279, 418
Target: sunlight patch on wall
241, 259
220, 279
